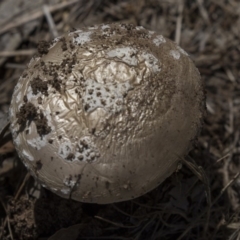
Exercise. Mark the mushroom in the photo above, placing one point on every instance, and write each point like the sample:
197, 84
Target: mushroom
104, 114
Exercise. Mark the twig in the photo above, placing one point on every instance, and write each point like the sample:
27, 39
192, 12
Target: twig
225, 171
213, 203
15, 198
7, 219
27, 176
230, 75
9, 228
50, 21
101, 238
34, 15
114, 223
226, 7
25, 52
15, 65
179, 21
145, 226
202, 176
225, 188
4, 130
220, 159
203, 11
5, 138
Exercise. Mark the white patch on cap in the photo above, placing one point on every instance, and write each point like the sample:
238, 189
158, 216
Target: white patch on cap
82, 38
31, 96
48, 114
182, 51
33, 60
139, 28
11, 112
77, 31
27, 155
159, 40
16, 138
65, 191
38, 142
132, 57
71, 78
105, 26
126, 54
54, 42
19, 97
86, 150
69, 182
19, 85
108, 96
151, 62
65, 148
25, 164
175, 54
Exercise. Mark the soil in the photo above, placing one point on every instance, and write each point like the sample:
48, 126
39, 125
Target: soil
202, 199
27, 113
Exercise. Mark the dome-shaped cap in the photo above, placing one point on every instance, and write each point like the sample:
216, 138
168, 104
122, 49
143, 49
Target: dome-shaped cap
106, 112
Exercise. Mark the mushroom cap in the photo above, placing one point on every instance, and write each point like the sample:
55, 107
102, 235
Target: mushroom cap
105, 113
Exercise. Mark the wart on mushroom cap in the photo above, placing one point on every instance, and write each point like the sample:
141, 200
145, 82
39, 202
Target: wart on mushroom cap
105, 112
